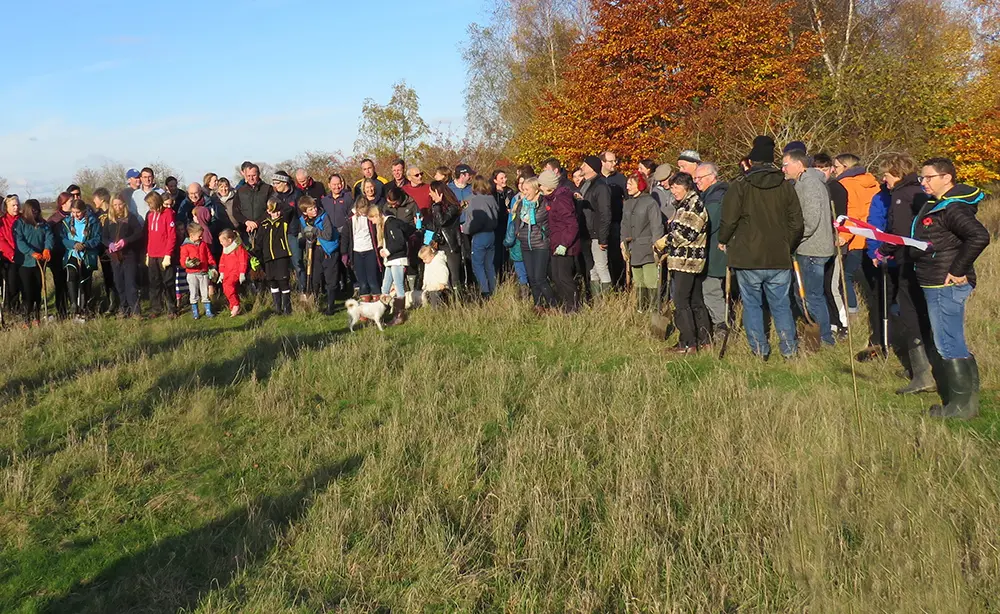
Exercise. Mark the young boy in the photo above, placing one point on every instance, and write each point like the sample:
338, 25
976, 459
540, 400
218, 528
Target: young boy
320, 231
196, 260
435, 275
233, 269
271, 248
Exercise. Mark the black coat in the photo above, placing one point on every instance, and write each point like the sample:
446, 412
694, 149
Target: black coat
251, 203
397, 235
598, 214
339, 209
906, 199
128, 230
956, 236
445, 221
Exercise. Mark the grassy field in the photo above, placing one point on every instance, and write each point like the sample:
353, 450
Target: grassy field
482, 460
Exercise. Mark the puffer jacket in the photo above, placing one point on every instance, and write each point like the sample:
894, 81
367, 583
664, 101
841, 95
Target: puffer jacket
906, 199
861, 187
688, 236
196, 252
533, 232
761, 220
598, 214
564, 225
641, 227
956, 237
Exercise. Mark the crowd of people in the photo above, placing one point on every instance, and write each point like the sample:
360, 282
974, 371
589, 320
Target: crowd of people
566, 236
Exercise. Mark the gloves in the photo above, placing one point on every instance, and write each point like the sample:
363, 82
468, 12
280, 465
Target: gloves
419, 221
243, 277
119, 245
254, 263
36, 256
213, 275
165, 263
192, 263
661, 244
46, 255
147, 261
560, 251
79, 246
221, 276
345, 260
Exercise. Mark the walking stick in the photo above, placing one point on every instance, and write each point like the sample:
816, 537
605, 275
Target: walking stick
309, 266
45, 292
3, 297
850, 336
885, 312
729, 328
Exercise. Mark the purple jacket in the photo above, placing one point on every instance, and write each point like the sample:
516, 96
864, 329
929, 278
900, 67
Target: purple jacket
564, 229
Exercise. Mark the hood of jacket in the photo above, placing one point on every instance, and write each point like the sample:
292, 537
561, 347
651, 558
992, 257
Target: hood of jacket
765, 177
961, 194
813, 174
228, 197
907, 180
860, 175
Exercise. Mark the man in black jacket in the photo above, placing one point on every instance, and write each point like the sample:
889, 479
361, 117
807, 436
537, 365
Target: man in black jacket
305, 184
250, 204
616, 183
338, 204
598, 218
761, 226
945, 272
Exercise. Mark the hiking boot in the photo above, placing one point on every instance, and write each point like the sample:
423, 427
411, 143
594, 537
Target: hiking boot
961, 388
922, 377
398, 311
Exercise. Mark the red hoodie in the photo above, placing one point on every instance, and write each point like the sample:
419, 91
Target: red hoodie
197, 250
161, 238
7, 236
231, 265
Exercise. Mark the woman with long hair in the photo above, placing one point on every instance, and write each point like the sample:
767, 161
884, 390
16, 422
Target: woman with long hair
442, 229
121, 234
8, 247
34, 241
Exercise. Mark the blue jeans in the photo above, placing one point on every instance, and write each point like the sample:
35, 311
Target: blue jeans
482, 261
812, 268
852, 264
522, 272
775, 284
394, 274
946, 309
298, 264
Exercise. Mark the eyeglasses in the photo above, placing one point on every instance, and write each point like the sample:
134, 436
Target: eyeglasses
710, 174
418, 174
924, 178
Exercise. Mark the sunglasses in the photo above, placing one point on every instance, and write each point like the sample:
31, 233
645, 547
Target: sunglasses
418, 174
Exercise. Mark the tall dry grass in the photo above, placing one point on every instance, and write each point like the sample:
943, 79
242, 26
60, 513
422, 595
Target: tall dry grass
480, 459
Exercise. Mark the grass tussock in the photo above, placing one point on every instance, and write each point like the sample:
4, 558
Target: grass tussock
481, 459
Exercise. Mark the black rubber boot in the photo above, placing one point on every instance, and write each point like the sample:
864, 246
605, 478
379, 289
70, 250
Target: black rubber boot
398, 311
922, 377
961, 383
286, 303
276, 299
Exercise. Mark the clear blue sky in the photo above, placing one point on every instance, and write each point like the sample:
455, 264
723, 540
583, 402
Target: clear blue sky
203, 85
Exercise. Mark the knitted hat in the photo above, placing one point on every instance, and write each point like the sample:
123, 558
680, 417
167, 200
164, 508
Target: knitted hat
281, 176
548, 180
794, 146
593, 162
763, 150
689, 155
663, 172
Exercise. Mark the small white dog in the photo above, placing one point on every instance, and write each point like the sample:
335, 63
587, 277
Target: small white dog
372, 311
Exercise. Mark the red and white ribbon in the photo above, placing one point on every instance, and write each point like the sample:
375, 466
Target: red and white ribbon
866, 230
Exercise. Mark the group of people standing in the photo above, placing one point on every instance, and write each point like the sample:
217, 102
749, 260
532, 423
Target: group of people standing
566, 236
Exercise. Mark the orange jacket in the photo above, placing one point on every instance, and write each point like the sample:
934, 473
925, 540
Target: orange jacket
861, 188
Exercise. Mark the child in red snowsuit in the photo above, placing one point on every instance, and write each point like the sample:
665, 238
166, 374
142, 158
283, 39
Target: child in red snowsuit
233, 267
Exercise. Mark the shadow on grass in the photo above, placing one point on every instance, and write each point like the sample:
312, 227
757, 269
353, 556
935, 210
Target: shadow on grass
177, 572
257, 360
40, 382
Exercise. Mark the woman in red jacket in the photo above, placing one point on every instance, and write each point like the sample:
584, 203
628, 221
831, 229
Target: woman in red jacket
161, 239
12, 286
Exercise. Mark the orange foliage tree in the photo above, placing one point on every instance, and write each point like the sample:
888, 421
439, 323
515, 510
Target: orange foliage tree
654, 65
974, 146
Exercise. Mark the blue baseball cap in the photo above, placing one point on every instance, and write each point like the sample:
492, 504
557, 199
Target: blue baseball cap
131, 174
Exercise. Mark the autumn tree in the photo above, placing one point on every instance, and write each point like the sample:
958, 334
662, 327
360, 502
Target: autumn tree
515, 58
652, 65
391, 129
